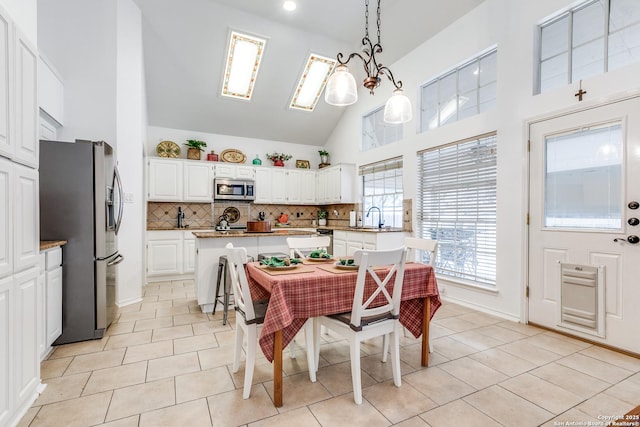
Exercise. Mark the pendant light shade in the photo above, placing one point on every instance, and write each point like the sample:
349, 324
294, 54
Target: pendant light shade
398, 108
341, 88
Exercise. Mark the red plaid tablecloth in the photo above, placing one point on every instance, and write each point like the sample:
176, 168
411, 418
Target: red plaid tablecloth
293, 298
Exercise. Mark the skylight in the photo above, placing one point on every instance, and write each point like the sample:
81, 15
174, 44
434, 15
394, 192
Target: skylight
312, 82
243, 60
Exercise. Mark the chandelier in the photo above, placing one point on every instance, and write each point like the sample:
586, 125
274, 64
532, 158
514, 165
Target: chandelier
341, 87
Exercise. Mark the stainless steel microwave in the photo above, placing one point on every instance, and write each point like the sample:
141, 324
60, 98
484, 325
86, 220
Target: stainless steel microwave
234, 189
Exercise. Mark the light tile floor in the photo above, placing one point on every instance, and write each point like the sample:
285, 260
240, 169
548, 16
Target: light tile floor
164, 363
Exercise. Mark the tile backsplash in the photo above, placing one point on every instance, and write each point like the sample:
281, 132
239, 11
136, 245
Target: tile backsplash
163, 215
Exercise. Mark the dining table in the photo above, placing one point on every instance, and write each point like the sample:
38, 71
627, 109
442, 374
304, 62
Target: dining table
313, 289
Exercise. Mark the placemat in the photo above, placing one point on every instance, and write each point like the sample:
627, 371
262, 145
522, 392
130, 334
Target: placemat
300, 269
323, 262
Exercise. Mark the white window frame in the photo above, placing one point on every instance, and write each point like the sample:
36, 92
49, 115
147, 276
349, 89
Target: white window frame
388, 173
569, 14
424, 126
457, 205
391, 132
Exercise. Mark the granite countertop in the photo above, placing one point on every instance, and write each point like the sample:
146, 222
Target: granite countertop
364, 229
50, 244
240, 233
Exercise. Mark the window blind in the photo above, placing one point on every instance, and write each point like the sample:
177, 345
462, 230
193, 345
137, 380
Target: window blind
385, 165
382, 188
457, 207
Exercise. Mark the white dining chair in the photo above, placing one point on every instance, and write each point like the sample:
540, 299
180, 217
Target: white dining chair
301, 246
416, 247
364, 321
250, 319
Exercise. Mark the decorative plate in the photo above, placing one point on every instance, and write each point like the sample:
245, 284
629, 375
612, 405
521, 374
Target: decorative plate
281, 267
233, 156
233, 214
346, 267
168, 149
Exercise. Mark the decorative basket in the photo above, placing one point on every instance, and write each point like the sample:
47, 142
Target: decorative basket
193, 154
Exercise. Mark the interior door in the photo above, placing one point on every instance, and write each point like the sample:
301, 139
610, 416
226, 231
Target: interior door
584, 255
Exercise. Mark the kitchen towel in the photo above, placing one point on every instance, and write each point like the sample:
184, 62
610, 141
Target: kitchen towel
352, 219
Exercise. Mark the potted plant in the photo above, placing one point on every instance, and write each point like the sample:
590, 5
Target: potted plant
322, 217
324, 156
195, 147
278, 159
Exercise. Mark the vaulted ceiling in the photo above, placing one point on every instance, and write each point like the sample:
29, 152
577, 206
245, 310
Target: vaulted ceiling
185, 45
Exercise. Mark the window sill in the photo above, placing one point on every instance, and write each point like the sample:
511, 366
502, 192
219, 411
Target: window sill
448, 280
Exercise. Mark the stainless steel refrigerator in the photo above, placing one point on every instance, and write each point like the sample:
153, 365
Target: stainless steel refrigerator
81, 202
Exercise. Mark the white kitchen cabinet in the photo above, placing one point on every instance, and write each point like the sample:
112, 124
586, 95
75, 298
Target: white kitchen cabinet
6, 217
165, 180
49, 297
26, 364
54, 301
164, 257
263, 185
7, 147
170, 253
336, 184
233, 171
26, 99
279, 186
180, 181
285, 186
50, 91
26, 225
198, 182
345, 243
7, 332
245, 172
189, 252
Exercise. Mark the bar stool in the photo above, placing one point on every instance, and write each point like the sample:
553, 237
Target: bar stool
224, 280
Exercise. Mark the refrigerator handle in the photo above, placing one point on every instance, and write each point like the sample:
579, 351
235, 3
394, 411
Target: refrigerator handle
118, 184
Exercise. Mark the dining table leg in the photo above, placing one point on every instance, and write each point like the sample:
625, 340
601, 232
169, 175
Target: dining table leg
426, 317
277, 368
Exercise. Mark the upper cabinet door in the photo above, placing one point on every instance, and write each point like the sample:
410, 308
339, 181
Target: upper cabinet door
6, 215
27, 144
165, 180
26, 218
6, 84
198, 182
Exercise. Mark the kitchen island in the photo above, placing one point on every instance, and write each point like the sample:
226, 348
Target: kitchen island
210, 245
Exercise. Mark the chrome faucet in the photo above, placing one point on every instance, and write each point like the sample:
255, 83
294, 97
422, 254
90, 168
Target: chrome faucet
180, 217
380, 220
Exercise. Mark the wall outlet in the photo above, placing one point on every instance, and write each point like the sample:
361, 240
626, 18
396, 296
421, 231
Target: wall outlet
128, 197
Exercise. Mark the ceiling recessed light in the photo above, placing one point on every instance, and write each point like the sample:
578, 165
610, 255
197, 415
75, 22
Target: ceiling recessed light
289, 5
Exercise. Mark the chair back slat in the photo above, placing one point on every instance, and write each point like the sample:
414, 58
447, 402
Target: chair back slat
416, 244
301, 246
367, 260
236, 259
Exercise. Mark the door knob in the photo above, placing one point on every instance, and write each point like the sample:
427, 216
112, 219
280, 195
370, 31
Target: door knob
633, 221
633, 205
631, 239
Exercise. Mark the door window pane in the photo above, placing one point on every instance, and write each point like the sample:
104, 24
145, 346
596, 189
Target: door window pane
583, 179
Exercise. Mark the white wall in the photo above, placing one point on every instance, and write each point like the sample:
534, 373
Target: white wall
249, 146
25, 15
96, 46
79, 38
130, 119
511, 26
